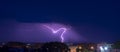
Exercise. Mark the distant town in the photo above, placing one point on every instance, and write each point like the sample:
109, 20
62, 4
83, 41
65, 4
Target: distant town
59, 47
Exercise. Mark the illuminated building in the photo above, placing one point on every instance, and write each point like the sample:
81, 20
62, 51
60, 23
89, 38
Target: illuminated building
91, 47
104, 47
82, 47
72, 48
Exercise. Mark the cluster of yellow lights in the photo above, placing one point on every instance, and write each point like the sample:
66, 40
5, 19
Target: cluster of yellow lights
90, 47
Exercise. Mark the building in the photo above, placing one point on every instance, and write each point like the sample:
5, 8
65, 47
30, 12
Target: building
83, 47
104, 47
72, 48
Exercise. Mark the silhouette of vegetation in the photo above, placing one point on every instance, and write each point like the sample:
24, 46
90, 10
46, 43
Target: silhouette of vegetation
55, 47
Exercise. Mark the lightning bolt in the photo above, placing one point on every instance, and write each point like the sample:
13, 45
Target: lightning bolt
55, 31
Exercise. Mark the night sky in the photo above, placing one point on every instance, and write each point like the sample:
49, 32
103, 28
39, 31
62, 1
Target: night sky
96, 21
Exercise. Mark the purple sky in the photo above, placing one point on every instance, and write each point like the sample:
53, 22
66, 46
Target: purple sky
94, 20
11, 30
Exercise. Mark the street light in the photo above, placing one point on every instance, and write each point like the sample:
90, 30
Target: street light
103, 48
106, 48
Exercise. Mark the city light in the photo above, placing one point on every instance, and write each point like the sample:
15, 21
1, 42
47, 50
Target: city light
80, 47
106, 48
101, 48
91, 47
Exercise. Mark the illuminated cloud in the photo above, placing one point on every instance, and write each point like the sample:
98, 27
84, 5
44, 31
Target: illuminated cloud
12, 30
